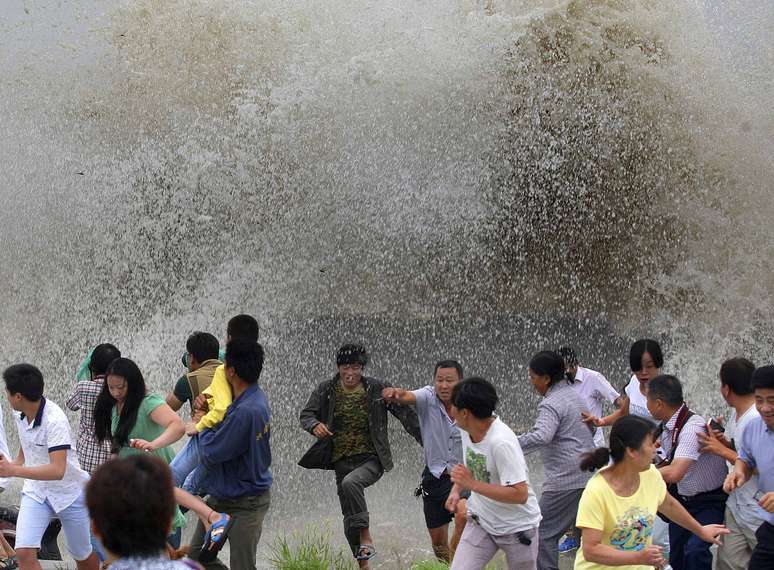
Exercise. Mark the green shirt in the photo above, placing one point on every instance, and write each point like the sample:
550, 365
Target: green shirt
351, 433
145, 428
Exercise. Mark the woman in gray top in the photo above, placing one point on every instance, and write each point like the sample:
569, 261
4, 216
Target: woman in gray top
562, 438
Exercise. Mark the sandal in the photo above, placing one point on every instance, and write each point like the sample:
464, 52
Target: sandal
216, 538
9, 563
365, 552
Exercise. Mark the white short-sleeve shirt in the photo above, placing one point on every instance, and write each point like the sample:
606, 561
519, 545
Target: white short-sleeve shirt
595, 390
498, 459
50, 431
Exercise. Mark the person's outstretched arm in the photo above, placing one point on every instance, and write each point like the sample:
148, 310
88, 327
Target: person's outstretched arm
672, 509
399, 396
173, 426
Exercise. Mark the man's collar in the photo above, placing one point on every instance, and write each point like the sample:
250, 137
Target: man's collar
670, 425
39, 415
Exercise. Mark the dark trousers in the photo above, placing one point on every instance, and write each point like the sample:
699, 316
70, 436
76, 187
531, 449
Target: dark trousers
353, 475
560, 509
686, 550
763, 555
248, 513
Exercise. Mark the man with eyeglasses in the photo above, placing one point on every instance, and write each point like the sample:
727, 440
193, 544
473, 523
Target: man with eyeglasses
348, 416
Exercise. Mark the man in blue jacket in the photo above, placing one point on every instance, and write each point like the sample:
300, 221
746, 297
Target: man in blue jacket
238, 460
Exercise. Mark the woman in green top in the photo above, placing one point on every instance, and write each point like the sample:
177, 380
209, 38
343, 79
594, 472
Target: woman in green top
133, 420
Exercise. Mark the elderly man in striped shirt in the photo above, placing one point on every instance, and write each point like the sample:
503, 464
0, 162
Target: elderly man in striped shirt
694, 478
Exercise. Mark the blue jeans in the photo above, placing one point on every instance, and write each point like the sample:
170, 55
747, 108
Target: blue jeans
188, 472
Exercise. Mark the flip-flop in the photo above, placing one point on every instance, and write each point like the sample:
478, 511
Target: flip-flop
365, 552
216, 538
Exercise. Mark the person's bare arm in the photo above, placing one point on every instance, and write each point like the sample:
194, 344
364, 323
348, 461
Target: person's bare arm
173, 426
596, 552
676, 512
674, 472
173, 402
52, 471
399, 396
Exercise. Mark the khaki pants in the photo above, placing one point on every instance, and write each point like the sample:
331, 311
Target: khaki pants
248, 513
737, 547
477, 548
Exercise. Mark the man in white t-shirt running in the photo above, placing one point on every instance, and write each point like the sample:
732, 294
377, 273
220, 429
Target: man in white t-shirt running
54, 481
503, 512
742, 514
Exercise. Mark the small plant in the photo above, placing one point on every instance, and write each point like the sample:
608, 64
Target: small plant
309, 549
430, 565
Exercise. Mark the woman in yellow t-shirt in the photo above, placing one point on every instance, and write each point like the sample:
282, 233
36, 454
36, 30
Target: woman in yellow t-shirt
620, 503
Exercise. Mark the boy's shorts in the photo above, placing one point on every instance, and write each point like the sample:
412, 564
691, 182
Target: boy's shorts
34, 518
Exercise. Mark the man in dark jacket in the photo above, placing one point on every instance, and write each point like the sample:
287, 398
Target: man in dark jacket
348, 416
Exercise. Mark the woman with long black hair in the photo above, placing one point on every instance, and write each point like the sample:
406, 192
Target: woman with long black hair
133, 420
561, 436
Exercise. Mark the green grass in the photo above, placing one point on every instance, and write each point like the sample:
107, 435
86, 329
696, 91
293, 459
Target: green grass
430, 565
309, 549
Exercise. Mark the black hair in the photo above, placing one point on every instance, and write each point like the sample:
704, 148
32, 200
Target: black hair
736, 373
24, 379
568, 355
666, 388
352, 354
131, 503
628, 432
203, 346
763, 378
246, 358
103, 409
449, 364
244, 327
642, 346
101, 358
477, 395
549, 363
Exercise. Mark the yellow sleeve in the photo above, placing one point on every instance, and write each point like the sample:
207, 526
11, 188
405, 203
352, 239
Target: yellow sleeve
218, 397
592, 508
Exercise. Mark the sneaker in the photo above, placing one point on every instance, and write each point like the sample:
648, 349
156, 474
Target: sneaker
568, 544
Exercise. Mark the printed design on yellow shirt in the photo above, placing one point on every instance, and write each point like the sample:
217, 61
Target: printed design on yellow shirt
476, 462
632, 530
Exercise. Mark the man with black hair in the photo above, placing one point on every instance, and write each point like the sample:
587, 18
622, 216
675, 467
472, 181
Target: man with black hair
54, 481
694, 478
503, 512
741, 514
348, 416
202, 358
237, 457
442, 450
756, 452
592, 386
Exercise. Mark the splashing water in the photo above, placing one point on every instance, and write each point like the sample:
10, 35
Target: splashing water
470, 179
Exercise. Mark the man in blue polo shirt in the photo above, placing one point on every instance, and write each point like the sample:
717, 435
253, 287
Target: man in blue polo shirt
442, 445
238, 460
756, 452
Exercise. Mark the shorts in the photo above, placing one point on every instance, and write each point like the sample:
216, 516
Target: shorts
34, 518
434, 494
